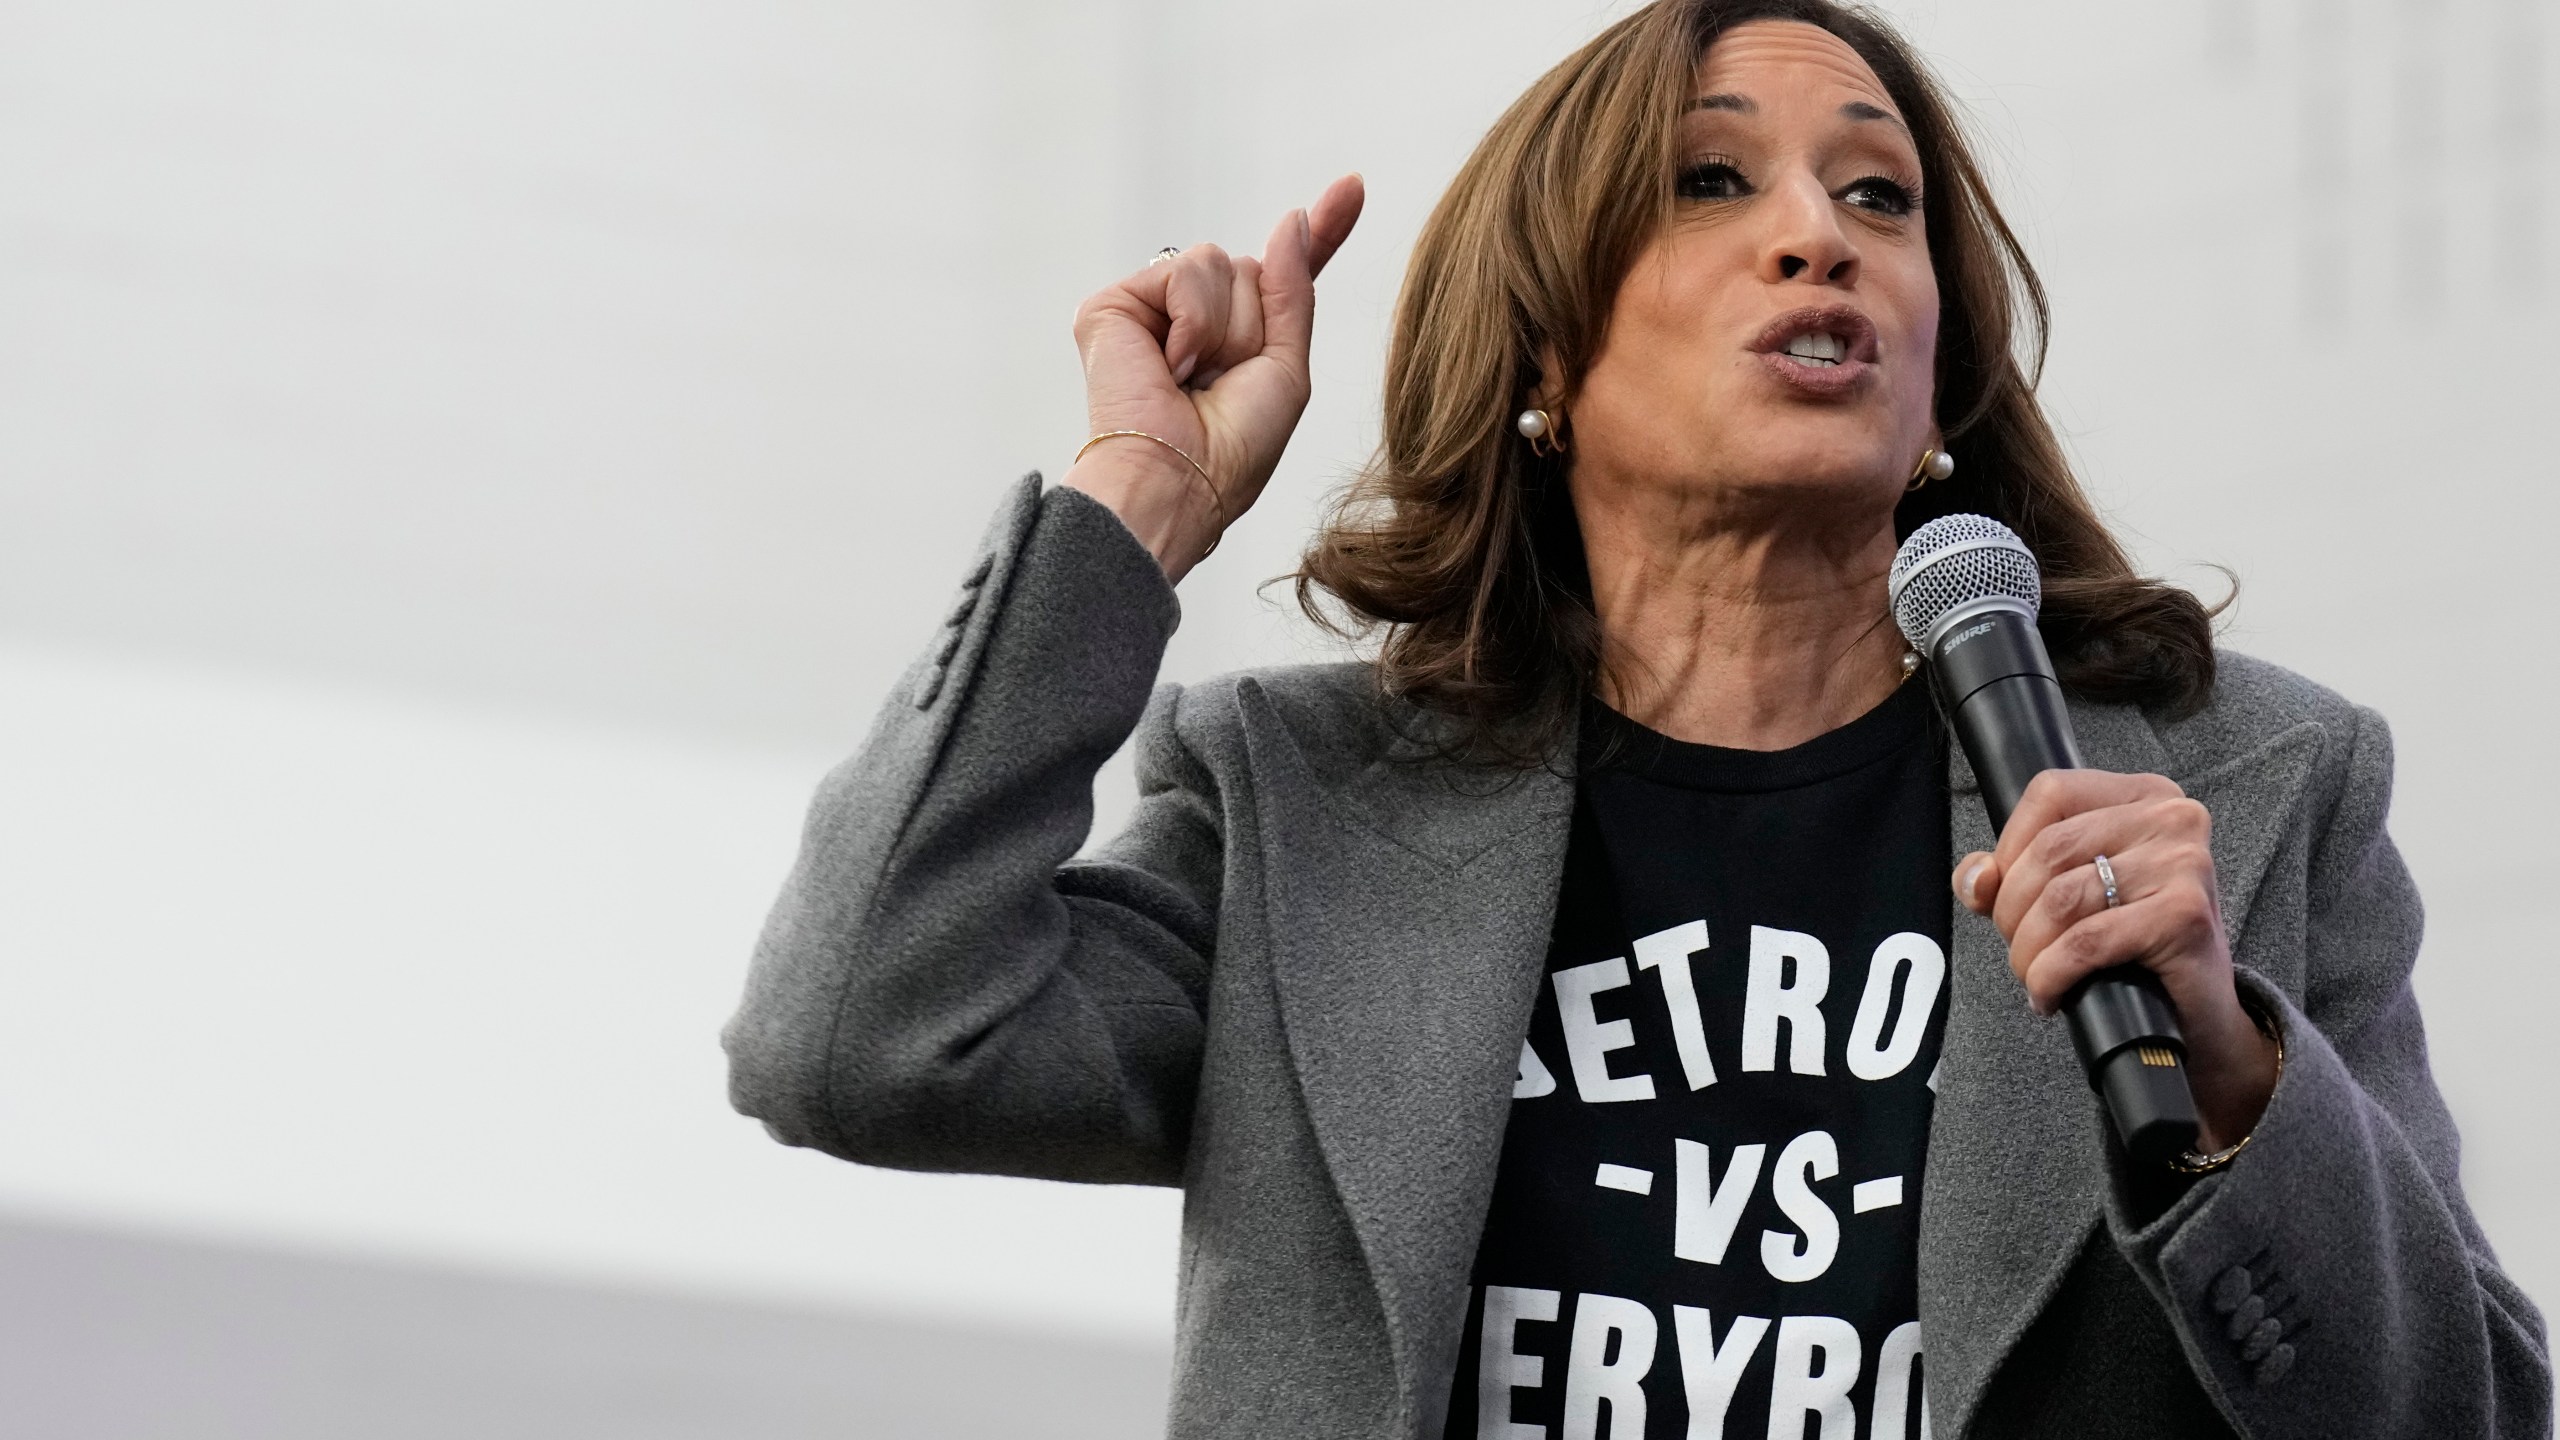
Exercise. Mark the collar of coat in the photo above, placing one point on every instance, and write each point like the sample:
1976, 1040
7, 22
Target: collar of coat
1408, 911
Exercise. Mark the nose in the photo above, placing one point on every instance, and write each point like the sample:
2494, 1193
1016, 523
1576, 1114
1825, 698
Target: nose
1805, 240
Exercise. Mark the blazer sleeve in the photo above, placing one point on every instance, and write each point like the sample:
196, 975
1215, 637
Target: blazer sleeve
939, 986
2332, 1282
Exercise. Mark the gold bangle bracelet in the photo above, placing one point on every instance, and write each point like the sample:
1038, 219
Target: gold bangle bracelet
1217, 504
2192, 1163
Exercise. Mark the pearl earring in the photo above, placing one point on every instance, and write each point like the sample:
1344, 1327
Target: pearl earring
1934, 465
1539, 429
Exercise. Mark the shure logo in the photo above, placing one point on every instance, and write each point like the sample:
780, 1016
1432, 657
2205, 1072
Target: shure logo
1962, 636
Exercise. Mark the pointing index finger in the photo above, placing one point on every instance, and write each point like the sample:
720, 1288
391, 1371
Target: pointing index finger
1330, 222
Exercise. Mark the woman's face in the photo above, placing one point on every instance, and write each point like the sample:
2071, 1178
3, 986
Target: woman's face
1777, 343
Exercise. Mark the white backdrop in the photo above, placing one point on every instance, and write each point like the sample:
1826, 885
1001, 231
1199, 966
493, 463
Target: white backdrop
465, 468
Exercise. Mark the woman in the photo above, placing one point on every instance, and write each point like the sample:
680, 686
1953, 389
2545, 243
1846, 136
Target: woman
1499, 1005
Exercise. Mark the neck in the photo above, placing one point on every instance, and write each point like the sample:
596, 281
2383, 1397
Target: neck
1755, 626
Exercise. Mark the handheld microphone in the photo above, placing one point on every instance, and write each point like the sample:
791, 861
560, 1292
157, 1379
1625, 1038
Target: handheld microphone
1965, 592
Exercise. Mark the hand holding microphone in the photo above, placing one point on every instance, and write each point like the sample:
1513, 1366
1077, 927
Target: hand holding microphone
2144, 972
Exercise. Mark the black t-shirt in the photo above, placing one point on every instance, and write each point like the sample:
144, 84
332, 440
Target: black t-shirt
1709, 1190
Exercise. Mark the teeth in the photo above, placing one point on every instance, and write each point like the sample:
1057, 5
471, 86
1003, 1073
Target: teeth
1820, 347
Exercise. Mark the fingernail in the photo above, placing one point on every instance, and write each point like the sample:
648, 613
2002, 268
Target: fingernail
1964, 882
1306, 235
1182, 372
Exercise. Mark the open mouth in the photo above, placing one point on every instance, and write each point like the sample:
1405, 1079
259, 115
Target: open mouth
1825, 351
1820, 349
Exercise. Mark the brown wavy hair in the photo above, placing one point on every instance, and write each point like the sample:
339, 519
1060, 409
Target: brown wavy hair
1460, 545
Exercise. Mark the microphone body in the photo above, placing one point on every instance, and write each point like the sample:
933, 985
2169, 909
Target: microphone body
1997, 687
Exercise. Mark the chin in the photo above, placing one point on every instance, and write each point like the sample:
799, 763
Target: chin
1826, 463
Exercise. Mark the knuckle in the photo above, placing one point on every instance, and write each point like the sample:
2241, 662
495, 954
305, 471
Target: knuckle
2199, 927
2193, 815
2180, 908
2056, 844
2070, 948
2174, 813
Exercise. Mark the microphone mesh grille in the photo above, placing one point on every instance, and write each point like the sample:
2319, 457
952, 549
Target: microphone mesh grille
1955, 560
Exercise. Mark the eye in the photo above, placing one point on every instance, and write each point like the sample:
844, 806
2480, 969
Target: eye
1712, 179
1885, 197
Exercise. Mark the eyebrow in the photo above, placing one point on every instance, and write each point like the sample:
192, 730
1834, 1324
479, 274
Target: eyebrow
1744, 105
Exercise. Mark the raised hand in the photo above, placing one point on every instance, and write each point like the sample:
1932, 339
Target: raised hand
1207, 352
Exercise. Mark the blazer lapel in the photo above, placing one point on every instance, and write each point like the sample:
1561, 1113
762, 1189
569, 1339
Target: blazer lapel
1409, 908
2255, 800
2016, 1148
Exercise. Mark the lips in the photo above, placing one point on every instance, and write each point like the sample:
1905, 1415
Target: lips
1827, 350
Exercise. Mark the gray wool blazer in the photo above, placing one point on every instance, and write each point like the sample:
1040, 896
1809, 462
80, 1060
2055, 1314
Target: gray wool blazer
1296, 987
